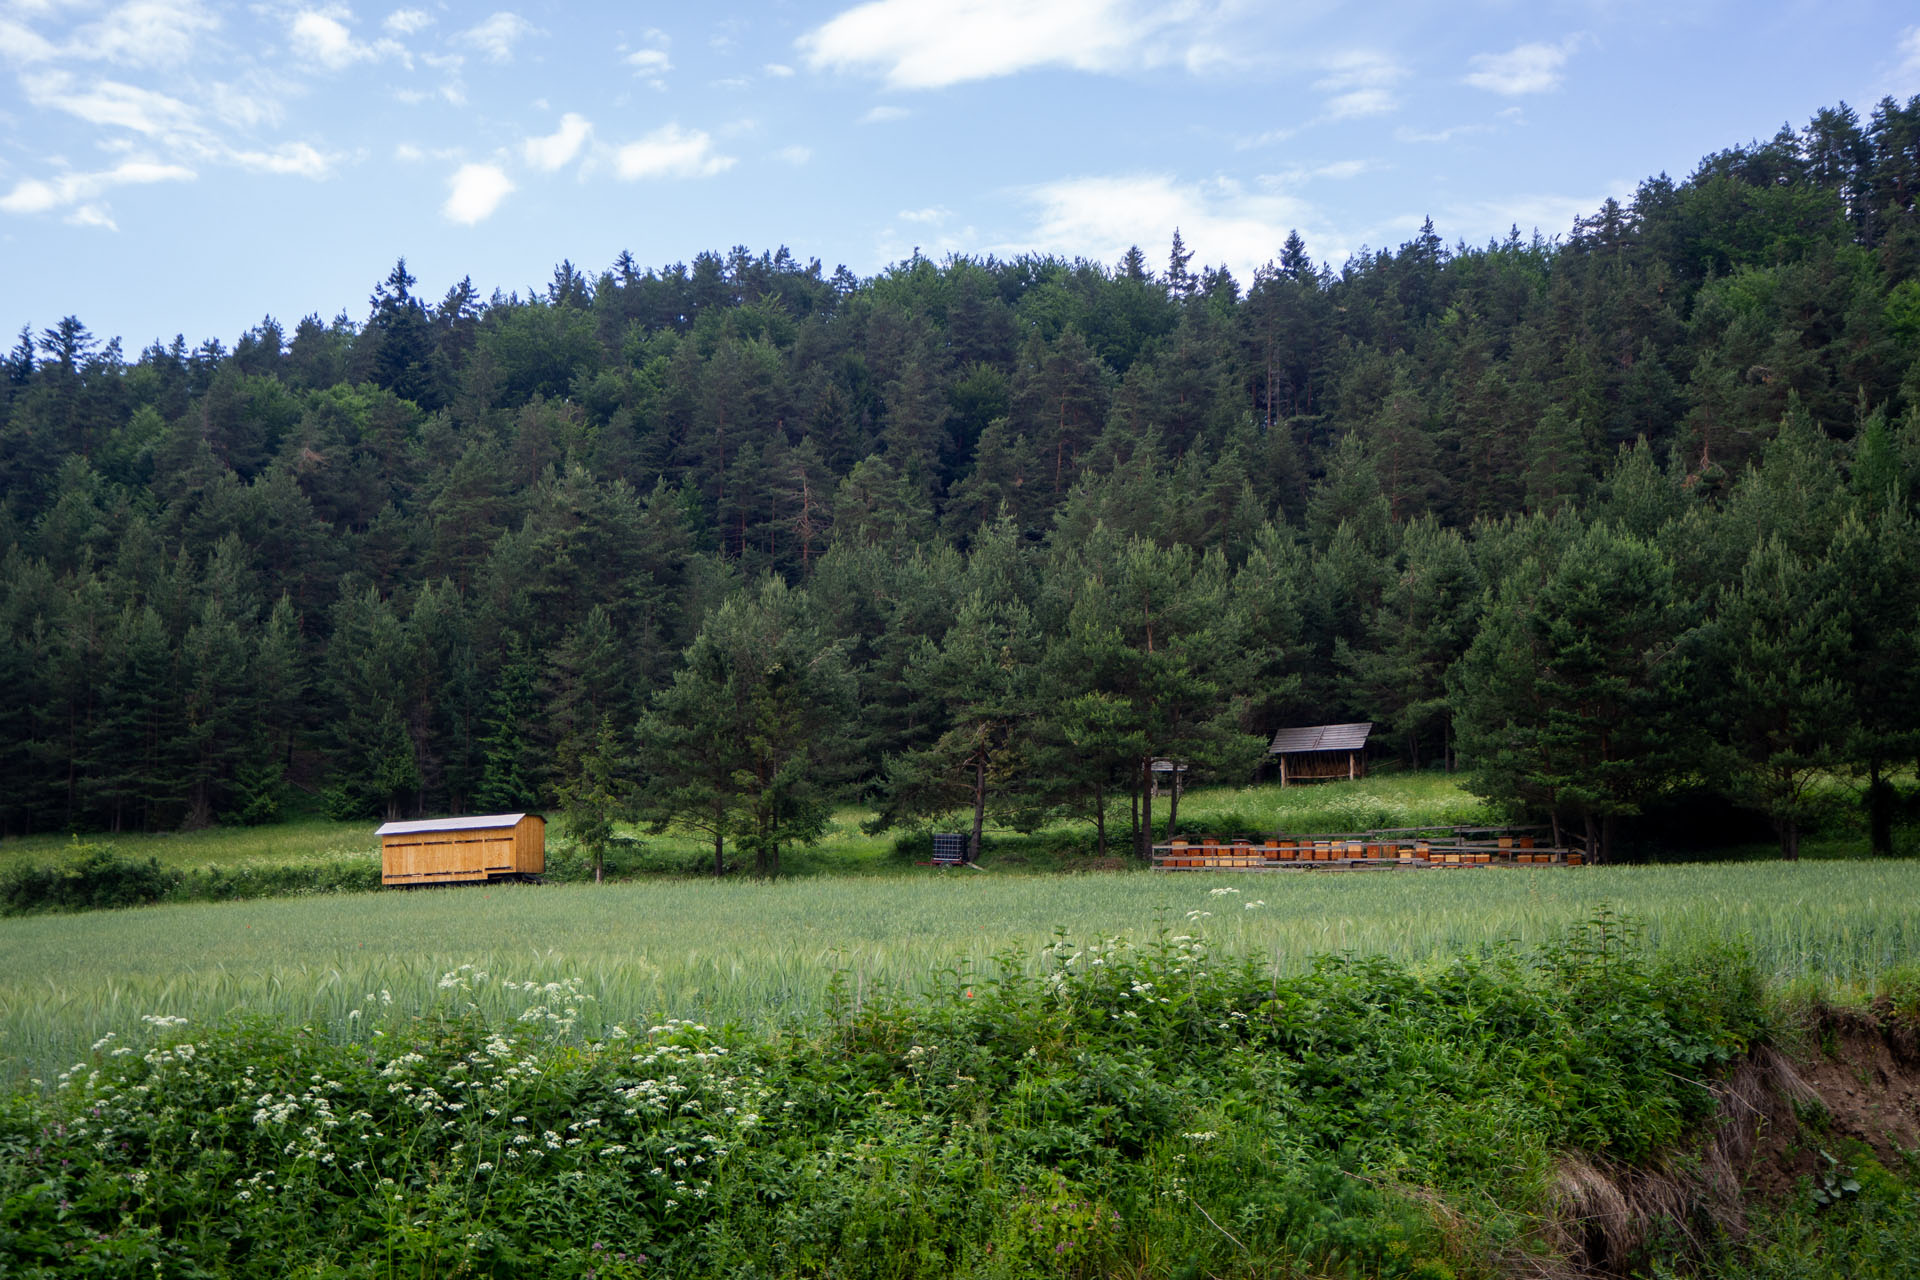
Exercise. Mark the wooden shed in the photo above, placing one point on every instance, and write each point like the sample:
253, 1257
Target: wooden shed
1317, 753
444, 850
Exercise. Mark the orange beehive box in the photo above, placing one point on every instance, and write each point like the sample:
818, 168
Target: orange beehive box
450, 850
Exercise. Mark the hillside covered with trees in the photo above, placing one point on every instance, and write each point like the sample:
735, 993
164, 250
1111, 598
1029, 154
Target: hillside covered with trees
1597, 518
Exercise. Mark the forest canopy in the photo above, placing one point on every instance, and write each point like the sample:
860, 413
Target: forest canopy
1597, 518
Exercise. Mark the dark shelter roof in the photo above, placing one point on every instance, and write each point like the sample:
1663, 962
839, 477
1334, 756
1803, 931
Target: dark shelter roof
1322, 737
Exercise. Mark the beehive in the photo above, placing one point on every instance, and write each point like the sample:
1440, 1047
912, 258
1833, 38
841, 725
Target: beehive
449, 850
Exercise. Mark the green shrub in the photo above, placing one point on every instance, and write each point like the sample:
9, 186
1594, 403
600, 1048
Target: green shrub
98, 878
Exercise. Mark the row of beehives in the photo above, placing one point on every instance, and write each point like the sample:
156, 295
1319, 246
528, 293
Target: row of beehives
1216, 853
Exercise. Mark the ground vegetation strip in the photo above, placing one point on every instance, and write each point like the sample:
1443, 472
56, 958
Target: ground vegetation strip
1098, 1108
1602, 518
747, 953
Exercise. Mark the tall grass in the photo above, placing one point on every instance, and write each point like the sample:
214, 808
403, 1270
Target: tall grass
759, 954
298, 842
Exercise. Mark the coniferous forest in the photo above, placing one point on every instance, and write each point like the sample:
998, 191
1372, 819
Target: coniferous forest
1601, 519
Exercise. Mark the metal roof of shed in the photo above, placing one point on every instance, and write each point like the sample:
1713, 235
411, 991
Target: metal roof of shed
1322, 737
479, 822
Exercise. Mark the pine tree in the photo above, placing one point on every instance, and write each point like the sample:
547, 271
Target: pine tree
1779, 644
743, 744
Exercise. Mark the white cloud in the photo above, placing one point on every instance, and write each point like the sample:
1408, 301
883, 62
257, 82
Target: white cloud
1440, 135
111, 103
778, 70
885, 115
1551, 215
93, 215
1527, 68
560, 147
1909, 51
146, 33
1361, 84
20, 44
36, 195
323, 38
474, 192
1265, 139
670, 152
181, 133
649, 62
1339, 170
261, 100
795, 155
497, 36
140, 33
407, 153
1220, 221
404, 22
930, 44
297, 159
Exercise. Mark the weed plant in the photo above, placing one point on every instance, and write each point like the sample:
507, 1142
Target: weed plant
1095, 1109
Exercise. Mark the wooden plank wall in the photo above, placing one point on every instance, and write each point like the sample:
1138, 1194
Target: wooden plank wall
432, 857
530, 846
443, 857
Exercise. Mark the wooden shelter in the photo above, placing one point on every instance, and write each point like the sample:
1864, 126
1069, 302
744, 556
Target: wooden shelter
1317, 753
1171, 774
444, 850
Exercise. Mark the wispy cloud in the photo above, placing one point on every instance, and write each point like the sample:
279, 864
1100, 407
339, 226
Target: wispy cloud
1359, 84
21, 44
558, 149
885, 115
93, 215
41, 195
778, 70
322, 37
497, 36
1526, 68
1549, 214
1908, 49
296, 159
1220, 220
111, 103
404, 22
670, 152
930, 44
650, 62
146, 33
1447, 134
140, 33
173, 125
474, 192
795, 155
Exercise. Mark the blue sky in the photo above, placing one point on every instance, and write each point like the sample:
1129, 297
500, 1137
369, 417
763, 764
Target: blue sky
174, 166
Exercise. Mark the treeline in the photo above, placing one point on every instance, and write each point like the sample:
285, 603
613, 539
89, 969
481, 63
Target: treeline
1597, 518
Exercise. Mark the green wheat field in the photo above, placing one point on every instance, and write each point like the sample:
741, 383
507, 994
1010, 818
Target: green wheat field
761, 954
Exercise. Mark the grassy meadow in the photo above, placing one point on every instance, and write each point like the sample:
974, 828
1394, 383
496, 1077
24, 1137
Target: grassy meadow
759, 954
590, 1080
665, 941
845, 849
1388, 799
